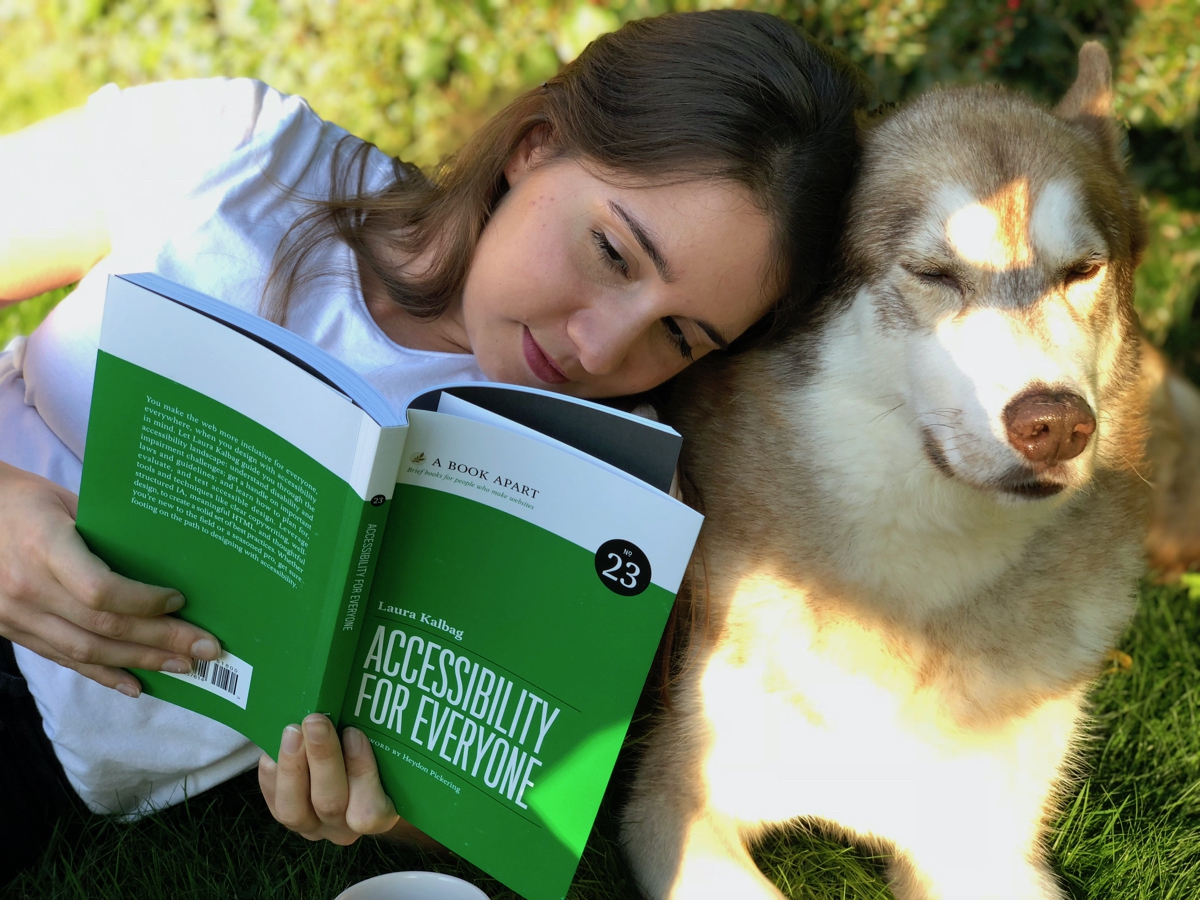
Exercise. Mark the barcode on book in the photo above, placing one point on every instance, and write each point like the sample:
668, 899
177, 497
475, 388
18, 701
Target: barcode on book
227, 677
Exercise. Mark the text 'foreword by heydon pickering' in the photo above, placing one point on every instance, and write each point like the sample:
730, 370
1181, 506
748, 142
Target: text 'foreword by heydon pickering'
463, 711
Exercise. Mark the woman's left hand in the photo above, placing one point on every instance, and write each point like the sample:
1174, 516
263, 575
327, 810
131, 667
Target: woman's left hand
324, 788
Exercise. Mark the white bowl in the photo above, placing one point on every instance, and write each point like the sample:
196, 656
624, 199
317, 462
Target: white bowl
412, 886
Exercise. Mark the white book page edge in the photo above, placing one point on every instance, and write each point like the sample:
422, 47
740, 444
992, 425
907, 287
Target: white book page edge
191, 349
448, 404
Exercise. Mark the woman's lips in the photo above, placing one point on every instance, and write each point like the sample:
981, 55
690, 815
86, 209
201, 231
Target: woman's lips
542, 366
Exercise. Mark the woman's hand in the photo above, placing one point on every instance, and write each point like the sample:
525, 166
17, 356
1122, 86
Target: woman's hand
65, 604
325, 788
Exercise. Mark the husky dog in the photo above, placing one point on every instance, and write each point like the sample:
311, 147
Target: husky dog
925, 518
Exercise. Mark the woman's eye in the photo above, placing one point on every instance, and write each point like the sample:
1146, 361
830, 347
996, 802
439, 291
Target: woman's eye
609, 255
675, 333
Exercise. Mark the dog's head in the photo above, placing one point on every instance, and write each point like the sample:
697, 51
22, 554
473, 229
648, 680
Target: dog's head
996, 242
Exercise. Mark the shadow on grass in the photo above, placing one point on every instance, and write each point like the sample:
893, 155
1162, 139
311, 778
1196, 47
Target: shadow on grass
223, 843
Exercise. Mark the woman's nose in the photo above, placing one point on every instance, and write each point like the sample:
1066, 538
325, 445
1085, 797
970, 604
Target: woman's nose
604, 337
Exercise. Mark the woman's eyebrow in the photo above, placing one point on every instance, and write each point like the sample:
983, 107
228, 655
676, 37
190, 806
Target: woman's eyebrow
713, 334
645, 239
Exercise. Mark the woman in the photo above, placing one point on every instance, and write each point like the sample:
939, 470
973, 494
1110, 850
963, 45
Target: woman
674, 191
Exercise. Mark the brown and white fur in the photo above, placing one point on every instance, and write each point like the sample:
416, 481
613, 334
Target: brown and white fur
906, 591
1173, 466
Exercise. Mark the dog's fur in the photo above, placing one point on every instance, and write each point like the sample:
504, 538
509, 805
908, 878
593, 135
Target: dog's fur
901, 615
1173, 466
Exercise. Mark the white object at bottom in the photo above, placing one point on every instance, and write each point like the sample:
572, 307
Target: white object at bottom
412, 886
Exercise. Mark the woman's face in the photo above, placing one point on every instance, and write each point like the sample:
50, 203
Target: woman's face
585, 287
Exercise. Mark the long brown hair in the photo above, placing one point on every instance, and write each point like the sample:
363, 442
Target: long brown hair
723, 94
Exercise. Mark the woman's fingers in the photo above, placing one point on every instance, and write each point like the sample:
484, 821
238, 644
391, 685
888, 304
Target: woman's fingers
111, 605
97, 586
110, 677
292, 806
61, 601
370, 810
56, 637
268, 771
327, 772
322, 792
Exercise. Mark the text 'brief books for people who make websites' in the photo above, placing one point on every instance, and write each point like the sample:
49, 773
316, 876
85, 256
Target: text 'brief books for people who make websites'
479, 585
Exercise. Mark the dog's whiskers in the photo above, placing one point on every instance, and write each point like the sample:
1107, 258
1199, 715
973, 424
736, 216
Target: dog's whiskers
1134, 470
885, 413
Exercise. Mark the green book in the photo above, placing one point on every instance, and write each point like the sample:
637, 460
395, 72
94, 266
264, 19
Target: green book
479, 584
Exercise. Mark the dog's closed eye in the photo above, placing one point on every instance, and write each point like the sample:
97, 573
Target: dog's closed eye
1084, 270
935, 276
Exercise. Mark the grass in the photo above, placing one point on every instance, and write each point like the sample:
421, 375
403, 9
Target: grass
1131, 830
22, 318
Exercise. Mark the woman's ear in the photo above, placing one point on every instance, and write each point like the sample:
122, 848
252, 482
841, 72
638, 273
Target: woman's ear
528, 154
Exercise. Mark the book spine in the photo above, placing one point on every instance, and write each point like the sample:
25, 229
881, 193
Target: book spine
372, 482
352, 607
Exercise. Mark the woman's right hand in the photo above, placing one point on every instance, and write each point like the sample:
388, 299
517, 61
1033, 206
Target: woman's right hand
62, 602
328, 788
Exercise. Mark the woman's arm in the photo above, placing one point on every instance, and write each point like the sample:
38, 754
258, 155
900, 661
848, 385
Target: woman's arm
52, 230
56, 598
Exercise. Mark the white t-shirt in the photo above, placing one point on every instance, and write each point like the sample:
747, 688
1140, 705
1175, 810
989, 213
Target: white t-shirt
198, 181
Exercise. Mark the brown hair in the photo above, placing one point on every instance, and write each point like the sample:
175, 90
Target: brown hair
723, 94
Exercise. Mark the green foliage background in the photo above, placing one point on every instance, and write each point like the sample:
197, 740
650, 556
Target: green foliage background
417, 76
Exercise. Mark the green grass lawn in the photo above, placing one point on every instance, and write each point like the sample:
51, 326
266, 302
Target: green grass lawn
1131, 831
22, 318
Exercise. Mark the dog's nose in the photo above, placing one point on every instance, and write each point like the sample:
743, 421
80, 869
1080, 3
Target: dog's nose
1048, 427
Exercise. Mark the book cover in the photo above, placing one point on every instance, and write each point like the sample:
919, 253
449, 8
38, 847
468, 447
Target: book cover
222, 469
520, 596
482, 594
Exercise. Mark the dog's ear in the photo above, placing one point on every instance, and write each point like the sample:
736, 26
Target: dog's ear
1089, 102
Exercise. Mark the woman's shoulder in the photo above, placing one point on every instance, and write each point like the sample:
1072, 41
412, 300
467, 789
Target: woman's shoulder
172, 144
223, 113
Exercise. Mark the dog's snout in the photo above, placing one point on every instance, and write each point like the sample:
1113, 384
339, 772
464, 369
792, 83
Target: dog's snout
1049, 427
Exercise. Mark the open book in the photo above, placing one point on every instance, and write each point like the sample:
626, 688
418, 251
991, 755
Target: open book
479, 585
